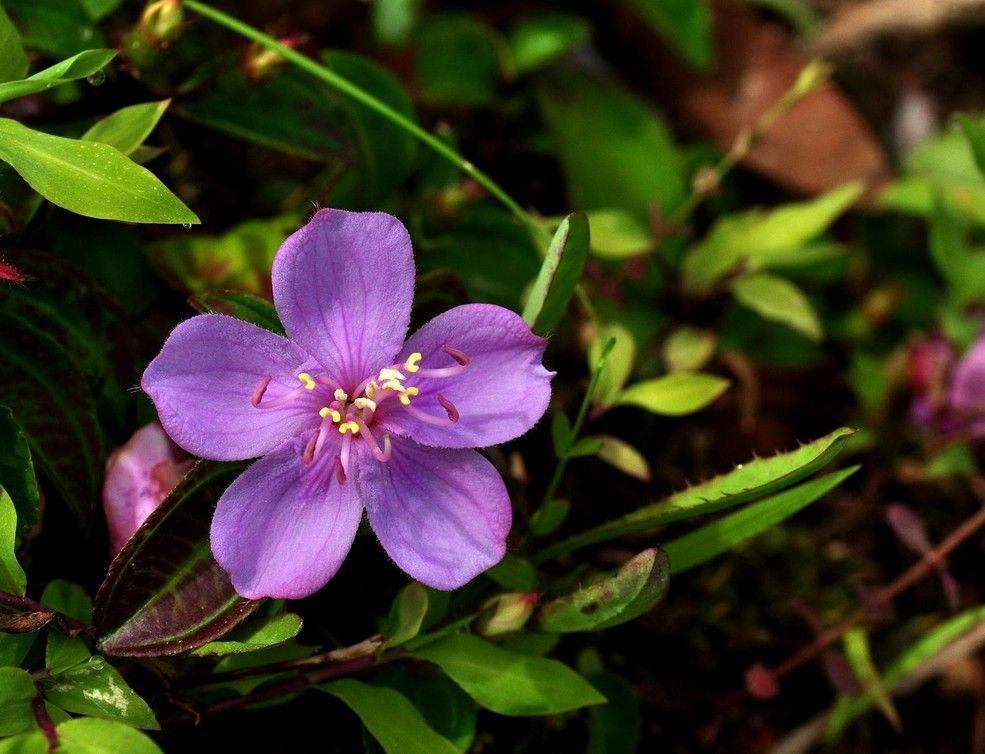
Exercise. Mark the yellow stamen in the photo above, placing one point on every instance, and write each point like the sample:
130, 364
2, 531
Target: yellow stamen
341, 395
309, 384
393, 385
391, 374
408, 394
350, 426
365, 403
326, 411
413, 362
371, 389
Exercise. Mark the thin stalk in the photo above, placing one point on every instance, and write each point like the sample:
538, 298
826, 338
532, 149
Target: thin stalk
360, 95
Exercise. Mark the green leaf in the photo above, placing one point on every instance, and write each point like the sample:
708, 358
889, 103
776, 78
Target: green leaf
618, 364
12, 576
974, 131
625, 457
713, 539
614, 727
618, 235
55, 27
506, 682
127, 128
88, 178
586, 446
950, 249
90, 735
241, 305
549, 516
559, 275
16, 694
95, 688
631, 591
685, 23
406, 615
17, 475
13, 61
907, 663
748, 481
458, 62
390, 717
98, 9
561, 433
856, 643
674, 394
394, 21
63, 652
254, 635
632, 162
514, 572
538, 40
687, 349
164, 593
779, 300
76, 67
758, 240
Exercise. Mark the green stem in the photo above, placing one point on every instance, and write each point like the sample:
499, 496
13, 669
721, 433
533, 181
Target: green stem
360, 95
586, 402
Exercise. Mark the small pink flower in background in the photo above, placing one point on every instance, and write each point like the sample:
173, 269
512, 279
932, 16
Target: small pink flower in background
139, 476
949, 391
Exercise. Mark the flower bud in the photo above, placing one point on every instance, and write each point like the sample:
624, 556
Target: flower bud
262, 63
139, 476
506, 613
161, 21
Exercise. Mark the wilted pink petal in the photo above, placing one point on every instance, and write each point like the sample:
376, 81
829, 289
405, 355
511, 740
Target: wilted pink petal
911, 531
139, 476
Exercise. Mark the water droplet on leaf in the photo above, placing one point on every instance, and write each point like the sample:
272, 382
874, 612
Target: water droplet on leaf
97, 78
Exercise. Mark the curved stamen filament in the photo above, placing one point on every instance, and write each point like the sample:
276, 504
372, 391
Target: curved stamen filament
381, 455
286, 398
437, 421
261, 389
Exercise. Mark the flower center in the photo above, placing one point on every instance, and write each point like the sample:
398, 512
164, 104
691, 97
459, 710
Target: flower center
355, 416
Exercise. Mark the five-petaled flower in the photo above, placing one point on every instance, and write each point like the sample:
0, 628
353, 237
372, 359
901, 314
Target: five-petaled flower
348, 416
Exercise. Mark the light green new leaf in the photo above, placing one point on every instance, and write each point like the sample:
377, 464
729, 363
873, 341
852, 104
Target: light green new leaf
252, 636
507, 682
541, 39
95, 688
779, 300
406, 614
12, 577
856, 643
127, 128
13, 61
390, 717
619, 453
718, 537
748, 481
16, 694
76, 67
618, 364
559, 275
631, 591
617, 234
88, 178
687, 349
84, 735
674, 394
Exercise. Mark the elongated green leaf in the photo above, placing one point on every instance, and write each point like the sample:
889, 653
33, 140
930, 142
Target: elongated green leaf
77, 67
633, 590
248, 637
856, 643
778, 299
406, 614
614, 727
164, 593
89, 178
55, 27
909, 661
13, 61
675, 394
95, 688
974, 131
12, 576
127, 128
64, 652
685, 23
748, 481
17, 471
241, 305
559, 275
390, 717
16, 693
713, 539
506, 682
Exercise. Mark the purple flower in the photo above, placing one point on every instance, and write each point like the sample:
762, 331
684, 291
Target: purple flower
967, 391
949, 392
139, 475
348, 416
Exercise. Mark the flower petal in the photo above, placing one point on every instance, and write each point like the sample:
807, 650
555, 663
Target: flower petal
967, 394
442, 515
343, 286
204, 377
502, 392
283, 527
